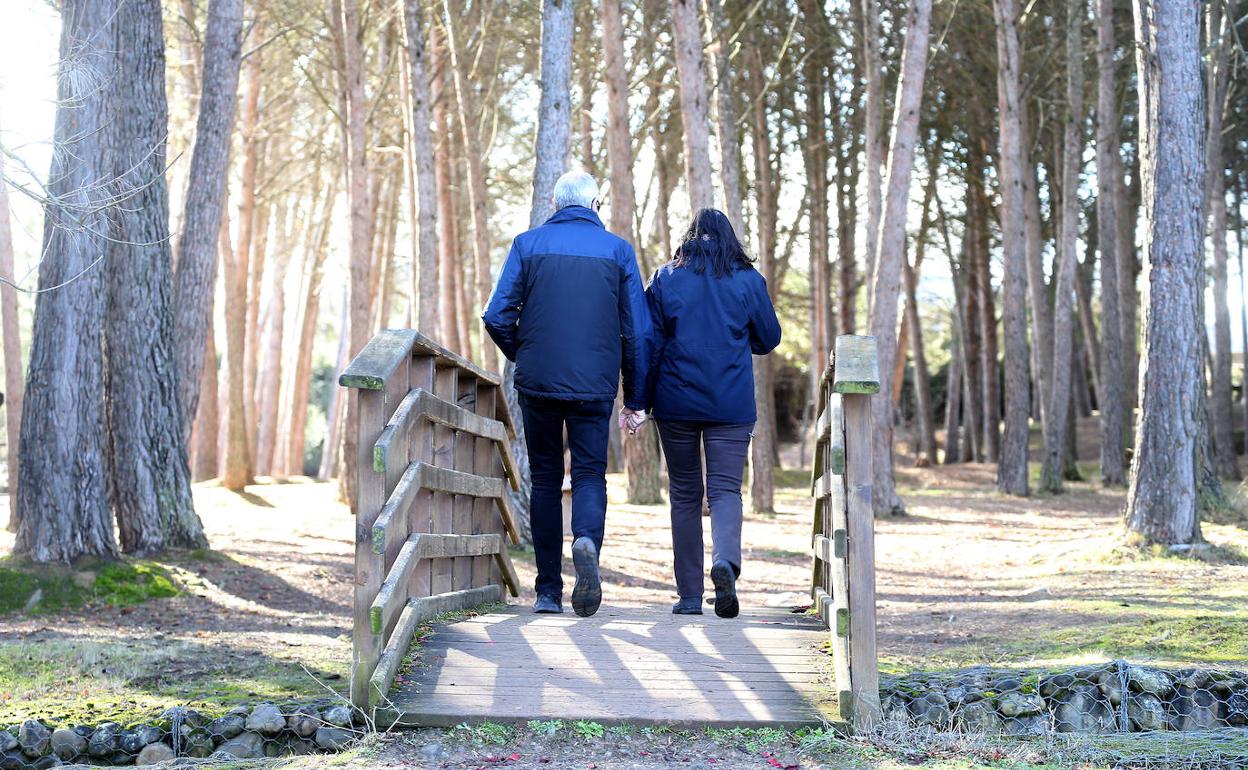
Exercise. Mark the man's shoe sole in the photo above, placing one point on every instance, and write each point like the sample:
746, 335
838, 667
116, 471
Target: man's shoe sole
587, 595
726, 604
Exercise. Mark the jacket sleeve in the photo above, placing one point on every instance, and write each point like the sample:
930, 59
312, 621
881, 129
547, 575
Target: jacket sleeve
635, 332
502, 314
764, 326
658, 334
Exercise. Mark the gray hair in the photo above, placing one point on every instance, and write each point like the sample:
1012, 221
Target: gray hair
575, 188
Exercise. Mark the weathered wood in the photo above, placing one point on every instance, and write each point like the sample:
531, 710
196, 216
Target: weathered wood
393, 592
379, 359
460, 483
860, 565
415, 612
485, 462
823, 548
507, 569
622, 665
369, 569
420, 514
461, 509
836, 434
446, 385
422, 403
857, 369
450, 358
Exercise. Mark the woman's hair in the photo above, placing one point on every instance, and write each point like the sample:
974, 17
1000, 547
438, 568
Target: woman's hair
710, 241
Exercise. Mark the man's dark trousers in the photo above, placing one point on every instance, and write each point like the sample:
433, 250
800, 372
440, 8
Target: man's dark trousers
588, 424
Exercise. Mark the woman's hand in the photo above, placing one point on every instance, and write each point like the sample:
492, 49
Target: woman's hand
632, 420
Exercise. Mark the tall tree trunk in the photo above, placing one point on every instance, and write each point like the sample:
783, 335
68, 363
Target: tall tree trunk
205, 460
421, 159
361, 220
12, 340
953, 400
641, 454
726, 116
687, 40
1037, 286
477, 195
925, 446
1243, 311
873, 132
845, 140
150, 476
989, 385
891, 249
1110, 397
1223, 412
1012, 466
1162, 500
762, 448
1068, 261
62, 501
449, 269
815, 158
196, 276
269, 380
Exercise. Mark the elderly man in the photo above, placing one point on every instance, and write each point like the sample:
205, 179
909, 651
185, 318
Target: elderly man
570, 311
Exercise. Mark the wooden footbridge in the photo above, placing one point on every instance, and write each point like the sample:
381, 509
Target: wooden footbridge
433, 525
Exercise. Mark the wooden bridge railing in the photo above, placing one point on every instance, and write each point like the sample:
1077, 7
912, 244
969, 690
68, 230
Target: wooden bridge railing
843, 587
432, 522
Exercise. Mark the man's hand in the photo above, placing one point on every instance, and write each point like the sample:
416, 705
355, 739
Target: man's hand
632, 420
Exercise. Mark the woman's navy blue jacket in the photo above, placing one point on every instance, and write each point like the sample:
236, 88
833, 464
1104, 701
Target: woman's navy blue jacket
570, 311
705, 329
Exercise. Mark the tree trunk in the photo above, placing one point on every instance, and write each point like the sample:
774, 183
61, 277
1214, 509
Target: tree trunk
62, 503
641, 455
953, 400
845, 140
449, 268
873, 133
206, 461
1052, 469
762, 447
891, 248
1162, 500
1215, 202
989, 385
925, 446
1037, 286
554, 111
269, 381
361, 220
1243, 311
1012, 466
196, 276
12, 350
726, 116
687, 40
477, 194
421, 159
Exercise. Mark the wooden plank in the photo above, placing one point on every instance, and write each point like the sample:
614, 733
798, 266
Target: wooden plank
857, 366
451, 358
860, 564
823, 548
393, 595
446, 386
370, 495
836, 515
420, 512
460, 483
836, 434
390, 529
485, 462
461, 508
507, 570
373, 366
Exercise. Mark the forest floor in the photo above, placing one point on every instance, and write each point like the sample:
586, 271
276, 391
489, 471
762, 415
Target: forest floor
967, 577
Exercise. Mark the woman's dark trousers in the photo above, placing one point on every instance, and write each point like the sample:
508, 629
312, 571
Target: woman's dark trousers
587, 424
725, 448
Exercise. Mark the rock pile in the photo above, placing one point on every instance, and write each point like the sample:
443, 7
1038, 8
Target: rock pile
1111, 697
268, 730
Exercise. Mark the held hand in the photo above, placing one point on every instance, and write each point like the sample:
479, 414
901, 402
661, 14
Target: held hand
632, 420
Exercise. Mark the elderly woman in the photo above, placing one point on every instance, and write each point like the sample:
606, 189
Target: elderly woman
711, 311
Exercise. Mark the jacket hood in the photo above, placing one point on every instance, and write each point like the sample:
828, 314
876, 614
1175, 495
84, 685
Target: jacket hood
570, 213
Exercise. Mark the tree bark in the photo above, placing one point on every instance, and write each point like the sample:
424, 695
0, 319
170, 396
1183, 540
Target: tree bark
1162, 500
891, 248
687, 40
423, 176
62, 502
953, 400
12, 340
1012, 465
873, 132
196, 276
762, 447
205, 460
1037, 286
925, 446
1051, 471
453, 336
726, 116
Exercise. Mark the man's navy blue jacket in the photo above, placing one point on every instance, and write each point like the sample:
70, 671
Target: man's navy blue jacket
705, 329
570, 310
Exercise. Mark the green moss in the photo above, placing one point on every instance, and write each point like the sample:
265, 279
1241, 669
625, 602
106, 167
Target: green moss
42, 589
125, 584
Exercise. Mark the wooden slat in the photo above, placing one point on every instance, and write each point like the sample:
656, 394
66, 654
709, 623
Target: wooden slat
857, 368
836, 434
446, 386
860, 564
391, 525
823, 548
451, 358
420, 514
418, 611
485, 462
507, 569
379, 360
461, 510
393, 592
459, 483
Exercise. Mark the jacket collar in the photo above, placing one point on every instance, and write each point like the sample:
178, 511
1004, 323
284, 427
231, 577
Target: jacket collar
570, 213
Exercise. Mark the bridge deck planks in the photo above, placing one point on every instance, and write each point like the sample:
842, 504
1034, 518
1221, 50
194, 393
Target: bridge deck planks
638, 665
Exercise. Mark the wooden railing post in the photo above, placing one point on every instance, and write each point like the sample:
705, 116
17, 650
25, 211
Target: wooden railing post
844, 532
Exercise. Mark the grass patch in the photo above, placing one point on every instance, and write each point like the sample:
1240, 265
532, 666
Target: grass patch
792, 478
43, 589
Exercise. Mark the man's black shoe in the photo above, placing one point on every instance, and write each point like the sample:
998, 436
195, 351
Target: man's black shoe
725, 582
547, 605
587, 594
691, 605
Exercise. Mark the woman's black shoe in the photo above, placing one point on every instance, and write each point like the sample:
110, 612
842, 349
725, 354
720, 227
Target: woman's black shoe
587, 594
547, 605
725, 581
691, 605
